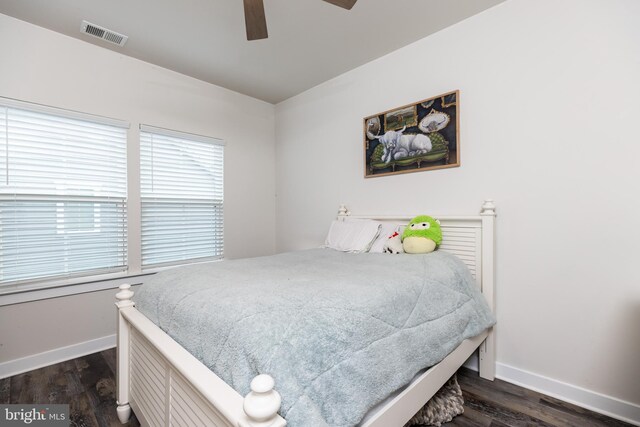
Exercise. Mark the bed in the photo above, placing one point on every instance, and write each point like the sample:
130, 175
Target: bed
164, 384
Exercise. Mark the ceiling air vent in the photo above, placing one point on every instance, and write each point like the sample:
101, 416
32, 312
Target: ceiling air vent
103, 33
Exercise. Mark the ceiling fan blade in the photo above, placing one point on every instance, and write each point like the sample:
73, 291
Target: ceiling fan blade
255, 20
347, 4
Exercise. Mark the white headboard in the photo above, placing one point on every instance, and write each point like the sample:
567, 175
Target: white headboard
472, 239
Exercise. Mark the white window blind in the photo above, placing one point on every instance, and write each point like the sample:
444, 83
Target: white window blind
62, 193
182, 197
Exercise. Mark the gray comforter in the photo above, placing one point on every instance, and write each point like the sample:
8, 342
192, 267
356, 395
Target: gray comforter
339, 332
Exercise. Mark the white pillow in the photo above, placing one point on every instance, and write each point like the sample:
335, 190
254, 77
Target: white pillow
386, 230
352, 235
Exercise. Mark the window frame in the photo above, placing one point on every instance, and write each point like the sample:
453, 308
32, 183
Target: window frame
194, 138
45, 288
30, 284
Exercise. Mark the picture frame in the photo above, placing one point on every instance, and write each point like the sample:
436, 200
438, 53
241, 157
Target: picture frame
415, 137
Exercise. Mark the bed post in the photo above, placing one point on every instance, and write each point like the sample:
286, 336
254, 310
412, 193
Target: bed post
123, 301
488, 347
262, 404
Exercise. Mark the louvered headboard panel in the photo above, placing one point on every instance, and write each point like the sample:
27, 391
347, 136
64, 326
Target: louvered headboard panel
466, 244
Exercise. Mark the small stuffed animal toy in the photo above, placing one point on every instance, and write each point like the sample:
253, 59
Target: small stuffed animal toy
393, 245
422, 235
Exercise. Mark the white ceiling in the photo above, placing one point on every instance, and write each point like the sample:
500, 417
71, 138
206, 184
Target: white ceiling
310, 41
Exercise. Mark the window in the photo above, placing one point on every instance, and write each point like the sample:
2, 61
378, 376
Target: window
63, 198
63, 194
182, 197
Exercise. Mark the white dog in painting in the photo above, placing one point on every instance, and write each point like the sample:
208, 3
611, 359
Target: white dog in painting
398, 146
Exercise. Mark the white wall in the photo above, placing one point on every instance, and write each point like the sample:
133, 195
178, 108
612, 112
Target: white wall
550, 96
45, 67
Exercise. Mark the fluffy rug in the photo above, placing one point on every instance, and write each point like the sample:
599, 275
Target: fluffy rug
443, 406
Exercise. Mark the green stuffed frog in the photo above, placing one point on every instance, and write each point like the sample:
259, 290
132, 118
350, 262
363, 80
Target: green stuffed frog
422, 235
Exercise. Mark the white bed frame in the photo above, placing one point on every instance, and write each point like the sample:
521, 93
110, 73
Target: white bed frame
166, 386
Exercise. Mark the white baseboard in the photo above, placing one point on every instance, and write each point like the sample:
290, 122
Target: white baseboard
594, 401
40, 360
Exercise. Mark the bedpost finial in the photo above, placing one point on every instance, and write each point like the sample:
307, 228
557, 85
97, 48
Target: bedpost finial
262, 404
343, 212
124, 296
262, 384
488, 207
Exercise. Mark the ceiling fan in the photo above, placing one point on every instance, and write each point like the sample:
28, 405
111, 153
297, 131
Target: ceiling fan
256, 22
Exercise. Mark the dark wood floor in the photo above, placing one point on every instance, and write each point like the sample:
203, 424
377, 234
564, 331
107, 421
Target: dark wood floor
88, 385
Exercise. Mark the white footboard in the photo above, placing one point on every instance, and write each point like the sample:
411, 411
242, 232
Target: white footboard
167, 386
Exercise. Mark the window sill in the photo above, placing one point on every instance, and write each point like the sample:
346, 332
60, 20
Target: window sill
80, 285
68, 287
